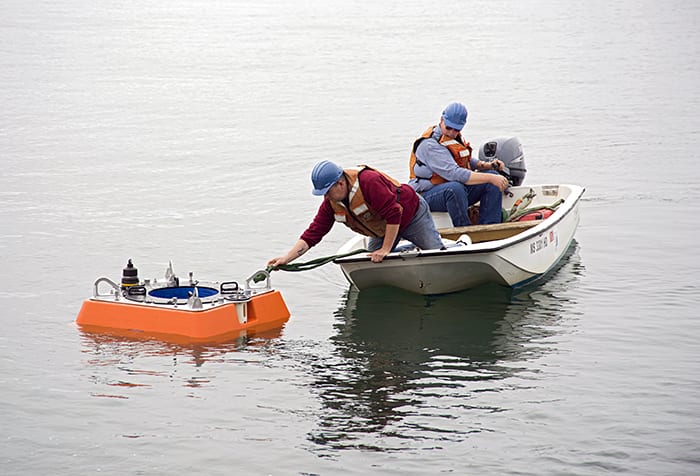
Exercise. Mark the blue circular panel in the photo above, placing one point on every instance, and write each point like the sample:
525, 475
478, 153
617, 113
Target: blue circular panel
182, 292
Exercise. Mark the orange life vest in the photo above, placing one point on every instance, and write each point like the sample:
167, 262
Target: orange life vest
359, 216
461, 153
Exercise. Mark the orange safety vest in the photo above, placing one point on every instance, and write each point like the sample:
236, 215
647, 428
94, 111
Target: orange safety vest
359, 216
461, 152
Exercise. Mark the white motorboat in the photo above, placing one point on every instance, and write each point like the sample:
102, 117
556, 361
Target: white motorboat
510, 254
541, 227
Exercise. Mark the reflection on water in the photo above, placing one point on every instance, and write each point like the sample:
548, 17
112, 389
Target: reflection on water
397, 353
120, 360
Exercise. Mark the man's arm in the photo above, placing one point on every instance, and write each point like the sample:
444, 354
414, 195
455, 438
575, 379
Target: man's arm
392, 231
319, 227
299, 248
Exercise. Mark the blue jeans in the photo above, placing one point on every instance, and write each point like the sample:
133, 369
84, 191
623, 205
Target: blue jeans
455, 199
420, 231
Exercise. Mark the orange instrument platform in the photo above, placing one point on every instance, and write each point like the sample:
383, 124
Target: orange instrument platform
195, 310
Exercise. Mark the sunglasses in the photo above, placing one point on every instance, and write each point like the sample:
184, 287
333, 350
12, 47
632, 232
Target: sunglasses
448, 127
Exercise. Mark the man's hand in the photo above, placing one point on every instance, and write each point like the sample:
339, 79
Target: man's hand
378, 256
279, 261
499, 181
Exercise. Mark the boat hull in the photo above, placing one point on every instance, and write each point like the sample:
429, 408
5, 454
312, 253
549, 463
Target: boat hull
512, 261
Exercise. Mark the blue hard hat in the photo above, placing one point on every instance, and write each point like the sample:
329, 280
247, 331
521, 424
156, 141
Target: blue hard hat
324, 175
455, 115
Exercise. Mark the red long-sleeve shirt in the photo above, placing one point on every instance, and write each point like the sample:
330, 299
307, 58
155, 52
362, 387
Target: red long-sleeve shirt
380, 195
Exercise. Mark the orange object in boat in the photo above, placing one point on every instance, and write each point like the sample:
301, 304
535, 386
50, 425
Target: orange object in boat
537, 215
197, 310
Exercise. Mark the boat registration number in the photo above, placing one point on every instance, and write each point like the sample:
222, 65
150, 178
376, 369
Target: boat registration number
543, 241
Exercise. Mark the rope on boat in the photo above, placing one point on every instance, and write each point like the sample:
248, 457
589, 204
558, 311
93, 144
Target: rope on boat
523, 201
314, 263
521, 207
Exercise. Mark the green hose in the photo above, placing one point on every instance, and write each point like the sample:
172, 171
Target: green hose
314, 263
525, 211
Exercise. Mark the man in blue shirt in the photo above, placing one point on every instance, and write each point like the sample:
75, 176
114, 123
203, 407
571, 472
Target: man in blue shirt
444, 172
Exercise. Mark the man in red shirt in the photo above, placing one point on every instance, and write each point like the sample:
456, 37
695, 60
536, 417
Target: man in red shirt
371, 203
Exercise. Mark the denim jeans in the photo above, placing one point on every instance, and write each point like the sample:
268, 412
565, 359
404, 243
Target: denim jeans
420, 231
455, 199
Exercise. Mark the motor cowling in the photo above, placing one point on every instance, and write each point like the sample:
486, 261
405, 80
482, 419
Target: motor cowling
508, 150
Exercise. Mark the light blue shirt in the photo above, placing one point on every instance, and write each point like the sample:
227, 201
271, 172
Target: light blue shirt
436, 158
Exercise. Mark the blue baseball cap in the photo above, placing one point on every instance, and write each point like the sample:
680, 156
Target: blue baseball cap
455, 115
324, 175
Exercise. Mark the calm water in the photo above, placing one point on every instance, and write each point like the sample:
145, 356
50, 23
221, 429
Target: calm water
186, 131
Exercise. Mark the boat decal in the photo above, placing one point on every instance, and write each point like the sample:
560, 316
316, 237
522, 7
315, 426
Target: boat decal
538, 244
545, 240
554, 238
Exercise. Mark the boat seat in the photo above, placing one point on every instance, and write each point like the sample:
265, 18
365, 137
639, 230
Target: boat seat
480, 233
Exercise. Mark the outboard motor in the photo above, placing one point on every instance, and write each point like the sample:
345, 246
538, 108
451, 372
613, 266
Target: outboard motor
508, 150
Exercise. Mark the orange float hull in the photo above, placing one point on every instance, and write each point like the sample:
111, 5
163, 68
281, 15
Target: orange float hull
262, 311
